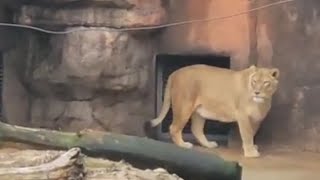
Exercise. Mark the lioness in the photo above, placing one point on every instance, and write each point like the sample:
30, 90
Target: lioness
204, 92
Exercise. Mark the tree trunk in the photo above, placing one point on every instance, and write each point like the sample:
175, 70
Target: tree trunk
67, 166
138, 151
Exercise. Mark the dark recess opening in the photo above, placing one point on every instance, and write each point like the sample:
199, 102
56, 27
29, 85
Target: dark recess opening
1, 87
165, 64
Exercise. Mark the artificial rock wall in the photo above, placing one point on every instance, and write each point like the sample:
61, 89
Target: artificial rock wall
103, 79
86, 79
285, 36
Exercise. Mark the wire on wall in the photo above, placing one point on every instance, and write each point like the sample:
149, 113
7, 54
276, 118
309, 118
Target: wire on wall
146, 27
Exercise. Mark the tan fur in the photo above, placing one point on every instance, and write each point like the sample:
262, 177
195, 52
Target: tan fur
200, 92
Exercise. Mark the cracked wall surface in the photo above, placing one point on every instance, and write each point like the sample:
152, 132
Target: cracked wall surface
97, 79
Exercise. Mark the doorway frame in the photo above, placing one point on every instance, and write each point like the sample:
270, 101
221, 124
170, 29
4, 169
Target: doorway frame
158, 100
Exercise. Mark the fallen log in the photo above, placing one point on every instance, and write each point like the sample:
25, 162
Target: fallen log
142, 152
67, 166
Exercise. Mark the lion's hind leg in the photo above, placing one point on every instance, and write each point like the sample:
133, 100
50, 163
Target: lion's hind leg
197, 126
180, 119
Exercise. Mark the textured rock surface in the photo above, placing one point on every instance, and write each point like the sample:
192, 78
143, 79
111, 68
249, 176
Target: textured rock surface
92, 60
107, 3
122, 114
7, 36
98, 79
15, 97
136, 13
82, 68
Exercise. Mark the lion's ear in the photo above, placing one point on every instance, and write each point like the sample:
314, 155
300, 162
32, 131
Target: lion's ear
275, 73
252, 68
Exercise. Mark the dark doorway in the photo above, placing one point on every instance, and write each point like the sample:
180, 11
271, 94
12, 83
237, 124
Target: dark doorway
165, 64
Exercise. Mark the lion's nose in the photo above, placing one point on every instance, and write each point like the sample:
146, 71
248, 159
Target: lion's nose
256, 92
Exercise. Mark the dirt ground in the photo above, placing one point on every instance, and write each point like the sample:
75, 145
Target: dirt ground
275, 164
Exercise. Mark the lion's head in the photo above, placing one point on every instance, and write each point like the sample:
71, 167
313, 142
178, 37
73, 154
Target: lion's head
263, 82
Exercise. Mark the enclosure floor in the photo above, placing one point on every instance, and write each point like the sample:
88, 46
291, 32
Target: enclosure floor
275, 164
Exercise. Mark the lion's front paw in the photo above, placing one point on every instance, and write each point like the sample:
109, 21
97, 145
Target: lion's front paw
211, 144
187, 145
251, 152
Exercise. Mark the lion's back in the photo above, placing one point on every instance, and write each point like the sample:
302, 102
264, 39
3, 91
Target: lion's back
205, 76
203, 68
206, 82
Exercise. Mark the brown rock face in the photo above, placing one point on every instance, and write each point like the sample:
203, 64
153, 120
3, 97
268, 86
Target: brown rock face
127, 13
86, 79
80, 63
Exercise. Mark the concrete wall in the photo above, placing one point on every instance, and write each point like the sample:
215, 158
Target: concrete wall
289, 35
285, 36
229, 37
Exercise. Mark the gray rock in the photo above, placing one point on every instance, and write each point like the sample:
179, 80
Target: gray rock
78, 116
122, 116
45, 111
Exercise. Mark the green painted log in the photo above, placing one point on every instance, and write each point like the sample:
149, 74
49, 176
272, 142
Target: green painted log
139, 151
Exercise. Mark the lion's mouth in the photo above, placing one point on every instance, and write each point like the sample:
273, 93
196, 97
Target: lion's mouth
258, 99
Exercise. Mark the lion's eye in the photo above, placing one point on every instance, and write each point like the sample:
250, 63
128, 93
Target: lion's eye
266, 83
254, 82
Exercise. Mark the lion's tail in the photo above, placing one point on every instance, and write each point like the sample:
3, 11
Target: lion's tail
165, 106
